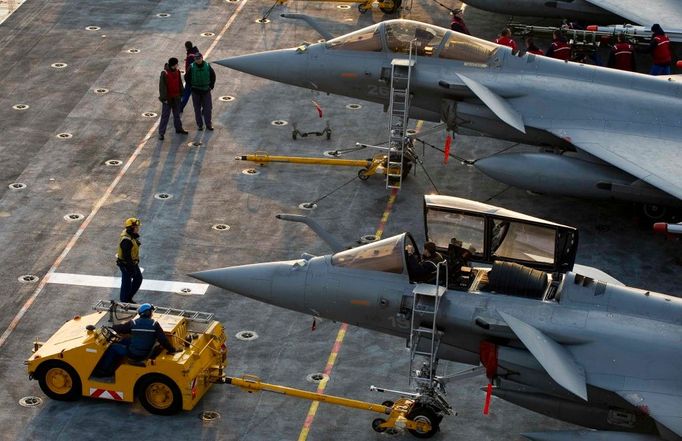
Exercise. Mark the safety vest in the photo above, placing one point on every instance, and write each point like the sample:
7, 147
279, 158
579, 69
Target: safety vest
506, 41
561, 50
173, 83
201, 77
142, 337
623, 56
134, 251
536, 52
662, 53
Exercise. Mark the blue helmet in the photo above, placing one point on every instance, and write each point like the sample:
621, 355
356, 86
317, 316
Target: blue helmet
145, 308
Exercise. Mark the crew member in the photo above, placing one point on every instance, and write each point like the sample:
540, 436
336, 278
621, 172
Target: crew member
622, 55
201, 79
128, 259
531, 48
457, 24
505, 39
170, 89
144, 333
189, 59
559, 48
660, 51
430, 254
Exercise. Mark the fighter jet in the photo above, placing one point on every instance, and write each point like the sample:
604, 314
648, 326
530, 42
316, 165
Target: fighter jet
550, 337
668, 13
604, 133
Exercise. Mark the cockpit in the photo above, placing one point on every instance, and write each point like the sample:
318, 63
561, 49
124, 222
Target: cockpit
486, 249
426, 40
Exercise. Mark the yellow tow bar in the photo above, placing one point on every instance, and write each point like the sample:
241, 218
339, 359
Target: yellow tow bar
397, 412
370, 166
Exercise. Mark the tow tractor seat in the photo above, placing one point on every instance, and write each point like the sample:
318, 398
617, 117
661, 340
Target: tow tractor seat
142, 362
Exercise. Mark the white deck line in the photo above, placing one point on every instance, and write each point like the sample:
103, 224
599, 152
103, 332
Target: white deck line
115, 282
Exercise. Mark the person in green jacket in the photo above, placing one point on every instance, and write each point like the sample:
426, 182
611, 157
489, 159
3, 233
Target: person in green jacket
201, 78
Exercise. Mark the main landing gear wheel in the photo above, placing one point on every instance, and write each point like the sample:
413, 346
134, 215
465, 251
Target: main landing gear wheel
427, 415
59, 381
160, 395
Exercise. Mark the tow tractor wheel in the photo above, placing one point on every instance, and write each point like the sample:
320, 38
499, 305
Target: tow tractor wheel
159, 395
362, 174
361, 8
425, 414
59, 381
376, 423
388, 403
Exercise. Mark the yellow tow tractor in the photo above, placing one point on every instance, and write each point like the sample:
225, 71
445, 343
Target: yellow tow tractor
167, 383
375, 164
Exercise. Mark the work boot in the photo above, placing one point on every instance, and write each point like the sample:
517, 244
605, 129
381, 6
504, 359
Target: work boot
200, 128
209, 127
160, 137
182, 131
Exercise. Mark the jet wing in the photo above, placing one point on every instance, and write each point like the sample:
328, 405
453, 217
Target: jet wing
667, 13
652, 159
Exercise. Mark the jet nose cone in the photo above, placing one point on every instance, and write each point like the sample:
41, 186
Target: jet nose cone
258, 280
285, 66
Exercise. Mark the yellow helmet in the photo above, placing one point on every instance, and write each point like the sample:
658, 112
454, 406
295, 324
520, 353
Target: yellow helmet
132, 222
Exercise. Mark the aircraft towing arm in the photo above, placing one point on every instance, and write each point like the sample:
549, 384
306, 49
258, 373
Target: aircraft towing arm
397, 412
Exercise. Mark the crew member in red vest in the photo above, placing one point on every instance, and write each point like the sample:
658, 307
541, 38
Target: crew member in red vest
622, 55
531, 48
559, 48
660, 51
505, 40
170, 91
457, 24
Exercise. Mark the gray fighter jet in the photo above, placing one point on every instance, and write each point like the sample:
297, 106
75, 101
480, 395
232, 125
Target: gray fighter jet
668, 13
552, 338
605, 133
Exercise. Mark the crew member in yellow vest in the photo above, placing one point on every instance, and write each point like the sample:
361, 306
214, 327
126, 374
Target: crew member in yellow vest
128, 259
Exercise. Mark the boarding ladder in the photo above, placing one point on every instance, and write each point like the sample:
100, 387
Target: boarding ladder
424, 334
399, 109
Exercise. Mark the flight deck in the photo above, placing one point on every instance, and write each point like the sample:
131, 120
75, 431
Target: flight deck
79, 113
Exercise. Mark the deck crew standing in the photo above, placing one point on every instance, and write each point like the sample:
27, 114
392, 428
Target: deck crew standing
622, 55
660, 51
189, 59
505, 39
531, 48
559, 49
128, 259
457, 24
170, 89
201, 79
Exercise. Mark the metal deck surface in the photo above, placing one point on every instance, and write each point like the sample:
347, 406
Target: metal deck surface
69, 176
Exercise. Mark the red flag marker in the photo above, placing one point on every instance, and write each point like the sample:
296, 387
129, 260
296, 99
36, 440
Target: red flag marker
448, 144
488, 396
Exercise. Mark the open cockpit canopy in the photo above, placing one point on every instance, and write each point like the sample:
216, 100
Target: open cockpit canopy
426, 40
492, 234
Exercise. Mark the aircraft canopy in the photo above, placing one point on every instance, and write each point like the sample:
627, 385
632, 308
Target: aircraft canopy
427, 40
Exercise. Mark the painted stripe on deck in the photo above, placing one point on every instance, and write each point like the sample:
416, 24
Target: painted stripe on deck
341, 335
115, 282
95, 209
